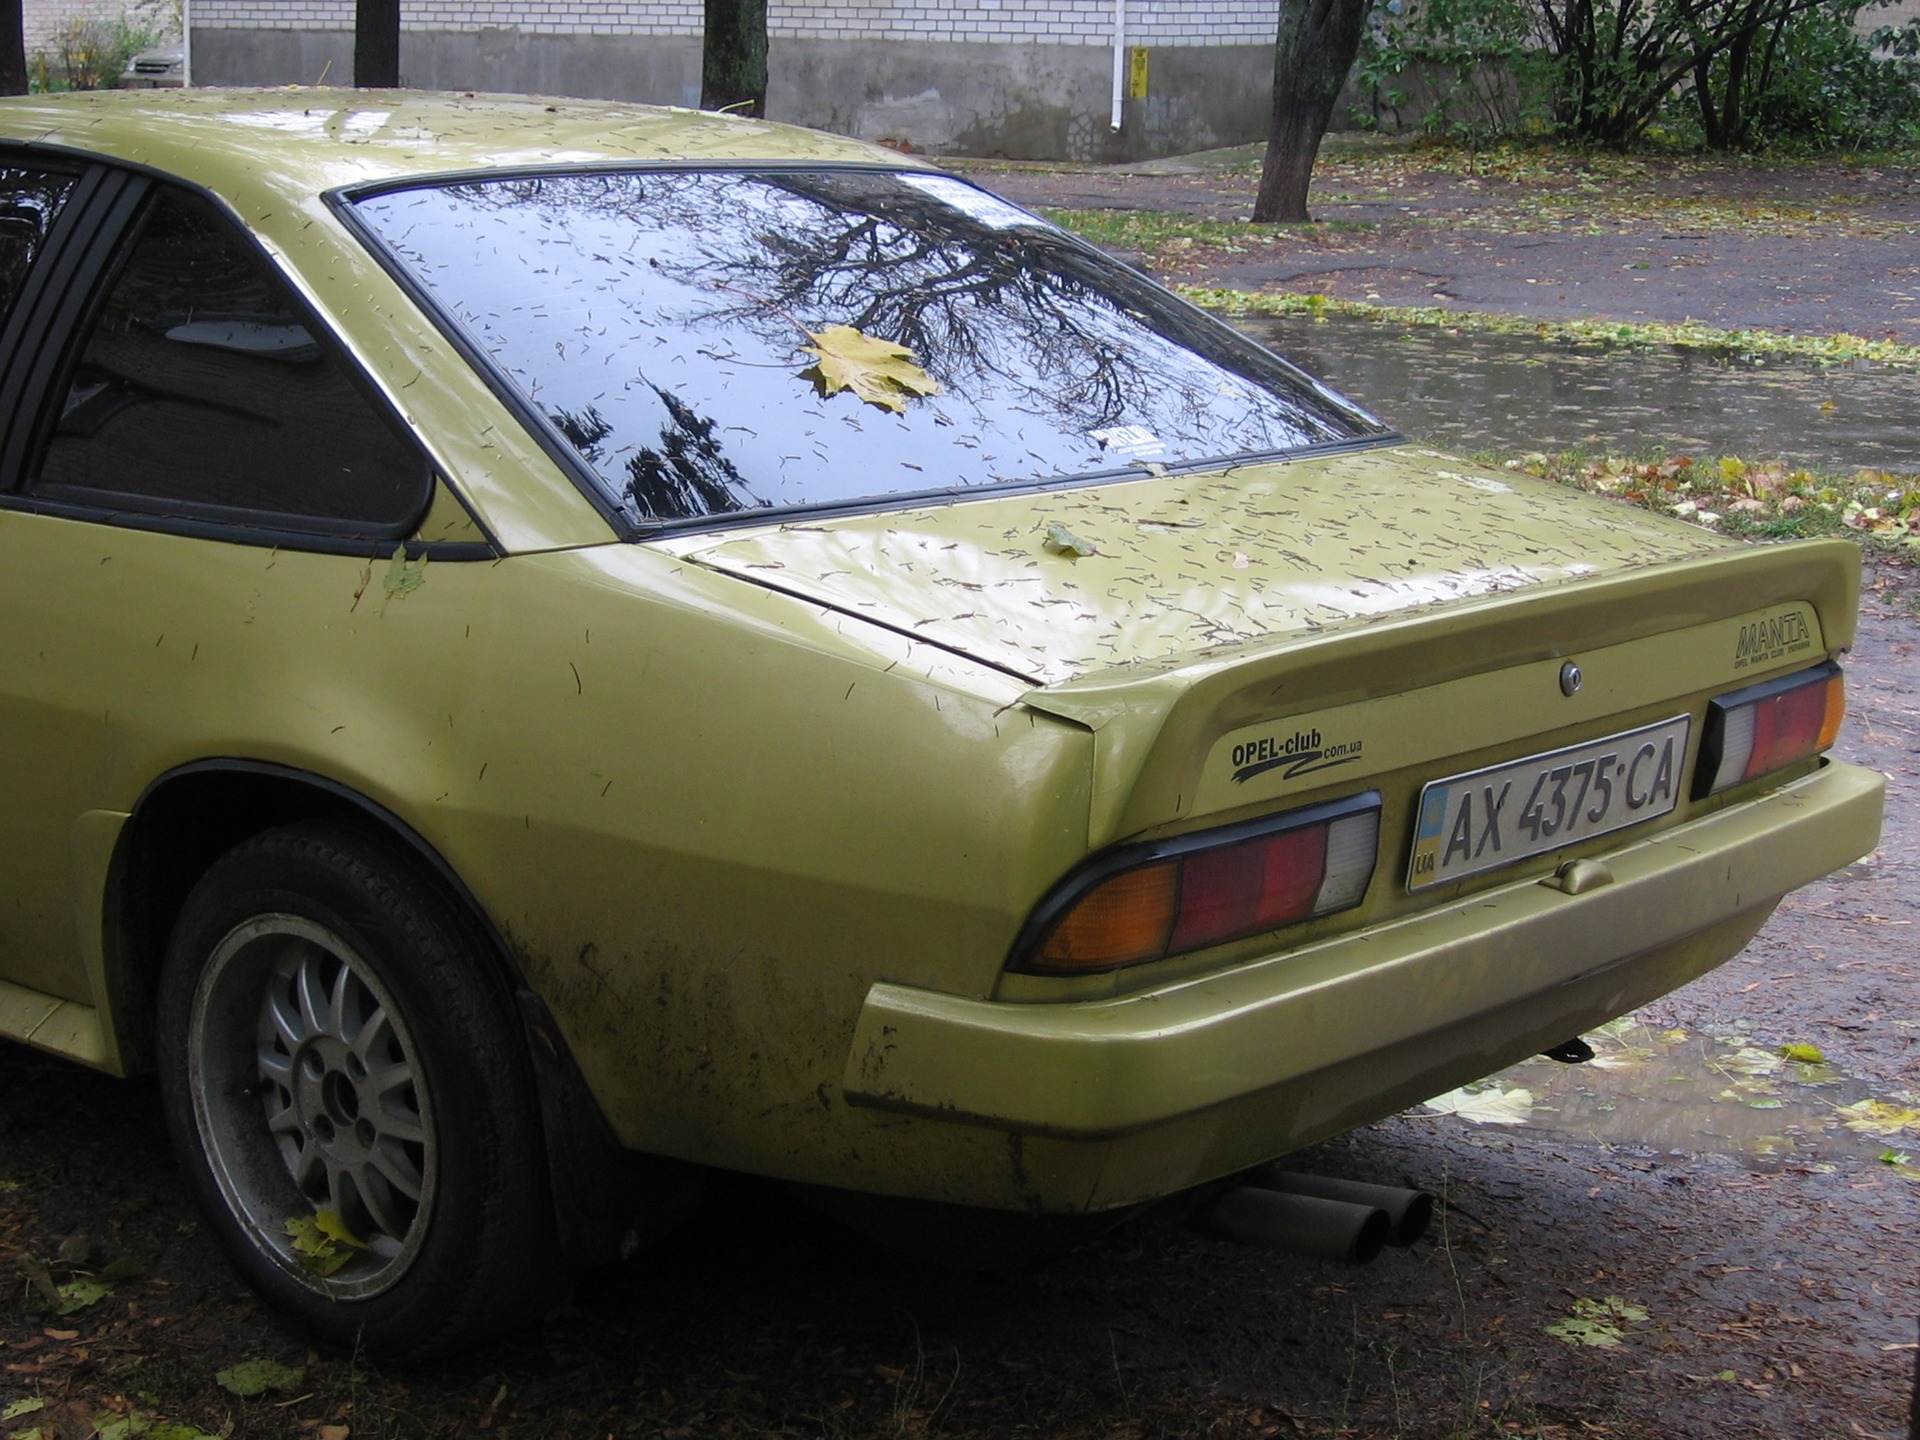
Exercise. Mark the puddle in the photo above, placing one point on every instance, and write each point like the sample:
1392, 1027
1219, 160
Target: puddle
1471, 391
1680, 1091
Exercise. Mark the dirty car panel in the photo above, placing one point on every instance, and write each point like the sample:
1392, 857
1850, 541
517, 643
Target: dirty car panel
544, 631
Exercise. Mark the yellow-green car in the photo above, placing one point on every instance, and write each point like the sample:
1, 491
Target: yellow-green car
540, 632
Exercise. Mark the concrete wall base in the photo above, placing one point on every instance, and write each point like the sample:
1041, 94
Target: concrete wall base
1023, 102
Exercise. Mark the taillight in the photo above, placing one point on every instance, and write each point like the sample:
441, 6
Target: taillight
1769, 726
1145, 902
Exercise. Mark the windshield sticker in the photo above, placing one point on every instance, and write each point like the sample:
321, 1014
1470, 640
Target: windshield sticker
1135, 442
989, 210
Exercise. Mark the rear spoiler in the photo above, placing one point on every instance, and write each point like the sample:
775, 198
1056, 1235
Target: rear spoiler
1154, 726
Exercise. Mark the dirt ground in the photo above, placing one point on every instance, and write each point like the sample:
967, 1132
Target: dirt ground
1812, 248
1749, 1294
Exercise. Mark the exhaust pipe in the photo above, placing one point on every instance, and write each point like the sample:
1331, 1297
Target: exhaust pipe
1297, 1224
1409, 1212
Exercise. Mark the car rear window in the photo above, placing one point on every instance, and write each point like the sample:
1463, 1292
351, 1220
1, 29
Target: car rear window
665, 325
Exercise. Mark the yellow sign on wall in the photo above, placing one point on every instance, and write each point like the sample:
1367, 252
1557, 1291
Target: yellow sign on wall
1137, 73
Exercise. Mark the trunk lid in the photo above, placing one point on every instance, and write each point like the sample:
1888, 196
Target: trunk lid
1185, 567
1276, 635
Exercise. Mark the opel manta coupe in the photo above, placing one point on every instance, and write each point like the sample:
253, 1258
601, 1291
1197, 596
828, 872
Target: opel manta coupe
542, 632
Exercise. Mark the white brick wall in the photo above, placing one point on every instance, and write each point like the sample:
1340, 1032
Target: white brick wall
43, 20
1057, 22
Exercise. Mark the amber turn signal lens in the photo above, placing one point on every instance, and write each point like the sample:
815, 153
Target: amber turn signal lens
1120, 922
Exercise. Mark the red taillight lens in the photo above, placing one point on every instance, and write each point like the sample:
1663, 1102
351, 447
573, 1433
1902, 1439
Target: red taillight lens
1770, 726
1244, 889
1146, 902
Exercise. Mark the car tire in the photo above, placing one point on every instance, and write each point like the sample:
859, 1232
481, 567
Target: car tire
350, 1098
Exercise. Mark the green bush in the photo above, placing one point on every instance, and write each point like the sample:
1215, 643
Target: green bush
1722, 74
1812, 83
1467, 66
89, 53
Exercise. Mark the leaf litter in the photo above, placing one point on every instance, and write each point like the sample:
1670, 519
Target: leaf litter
1600, 1323
322, 1241
1768, 1104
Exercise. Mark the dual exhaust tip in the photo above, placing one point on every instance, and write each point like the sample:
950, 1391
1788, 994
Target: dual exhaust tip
1316, 1216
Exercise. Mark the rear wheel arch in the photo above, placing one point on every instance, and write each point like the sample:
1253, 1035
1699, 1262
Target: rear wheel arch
191, 817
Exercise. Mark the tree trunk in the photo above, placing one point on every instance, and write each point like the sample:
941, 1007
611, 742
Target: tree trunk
1315, 48
376, 44
13, 49
733, 57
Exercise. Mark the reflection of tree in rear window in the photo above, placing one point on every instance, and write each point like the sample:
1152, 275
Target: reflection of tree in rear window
659, 320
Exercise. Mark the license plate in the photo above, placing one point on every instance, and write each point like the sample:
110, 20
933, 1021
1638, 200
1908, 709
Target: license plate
1493, 817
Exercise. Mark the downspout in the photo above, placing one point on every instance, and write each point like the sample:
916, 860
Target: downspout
1119, 61
186, 43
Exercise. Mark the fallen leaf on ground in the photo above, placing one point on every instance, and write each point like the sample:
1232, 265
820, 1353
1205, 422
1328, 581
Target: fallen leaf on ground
79, 1294
1878, 1117
1485, 1107
251, 1378
1597, 1322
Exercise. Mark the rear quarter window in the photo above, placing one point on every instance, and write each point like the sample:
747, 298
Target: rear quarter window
200, 391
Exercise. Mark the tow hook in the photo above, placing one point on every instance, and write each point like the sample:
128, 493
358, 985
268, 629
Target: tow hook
1315, 1215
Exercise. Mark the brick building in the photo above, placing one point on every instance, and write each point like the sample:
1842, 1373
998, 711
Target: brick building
43, 20
1022, 78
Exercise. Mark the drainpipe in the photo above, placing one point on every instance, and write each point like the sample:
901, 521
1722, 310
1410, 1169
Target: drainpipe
186, 42
1119, 61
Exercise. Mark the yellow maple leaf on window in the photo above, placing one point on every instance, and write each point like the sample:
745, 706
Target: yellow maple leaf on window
877, 371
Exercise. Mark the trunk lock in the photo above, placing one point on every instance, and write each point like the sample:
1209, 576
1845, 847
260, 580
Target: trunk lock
1570, 678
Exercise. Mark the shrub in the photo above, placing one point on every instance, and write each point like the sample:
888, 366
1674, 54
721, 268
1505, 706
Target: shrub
1812, 83
89, 53
1723, 73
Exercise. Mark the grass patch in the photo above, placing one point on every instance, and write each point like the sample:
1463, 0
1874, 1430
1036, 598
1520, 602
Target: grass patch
1170, 230
1827, 349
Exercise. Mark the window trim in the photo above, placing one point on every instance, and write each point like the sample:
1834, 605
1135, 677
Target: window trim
79, 245
344, 200
84, 181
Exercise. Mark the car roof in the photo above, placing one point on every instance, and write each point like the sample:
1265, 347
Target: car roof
301, 140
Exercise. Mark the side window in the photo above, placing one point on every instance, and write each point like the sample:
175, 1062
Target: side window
200, 392
29, 199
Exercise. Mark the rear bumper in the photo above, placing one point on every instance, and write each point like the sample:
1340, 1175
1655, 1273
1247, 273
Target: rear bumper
1331, 1035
